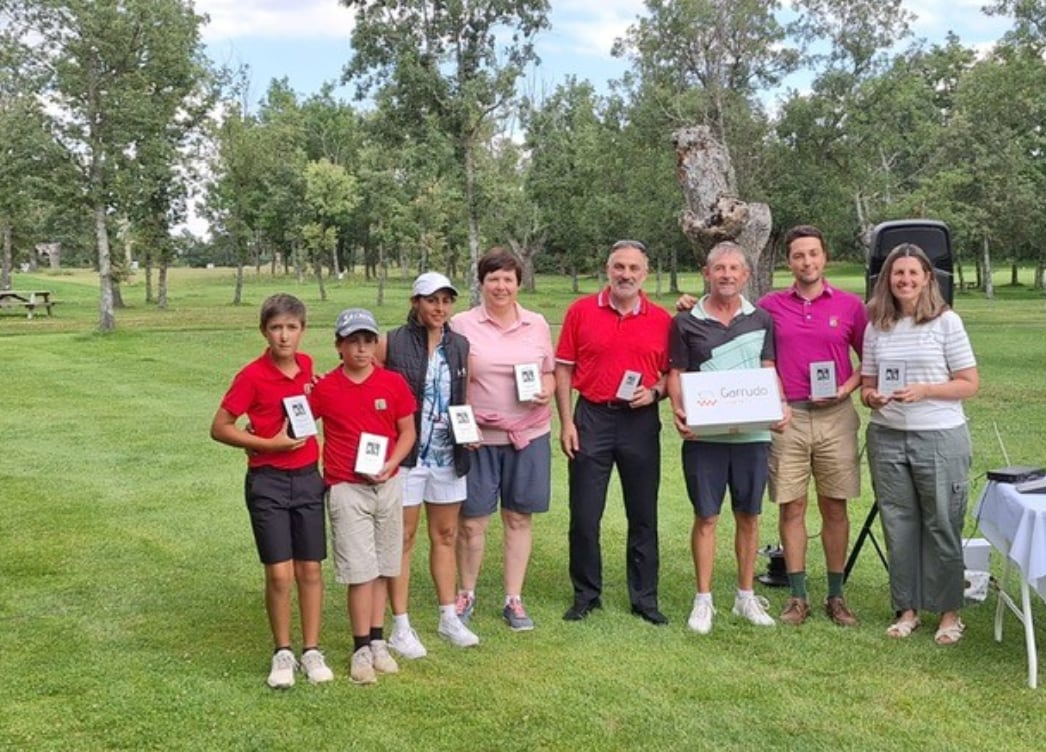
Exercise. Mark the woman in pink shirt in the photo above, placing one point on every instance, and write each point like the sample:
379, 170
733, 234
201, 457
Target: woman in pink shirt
510, 389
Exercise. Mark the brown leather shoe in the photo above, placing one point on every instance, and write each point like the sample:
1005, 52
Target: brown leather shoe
795, 611
837, 611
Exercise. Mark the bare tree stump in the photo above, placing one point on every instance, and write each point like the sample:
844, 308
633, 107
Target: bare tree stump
714, 212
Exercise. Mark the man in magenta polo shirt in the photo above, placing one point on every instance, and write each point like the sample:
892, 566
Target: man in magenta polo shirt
613, 350
815, 323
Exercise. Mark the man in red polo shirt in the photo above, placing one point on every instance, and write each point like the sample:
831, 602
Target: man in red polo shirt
613, 350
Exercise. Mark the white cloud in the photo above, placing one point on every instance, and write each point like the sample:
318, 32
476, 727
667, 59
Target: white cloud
586, 28
964, 17
303, 19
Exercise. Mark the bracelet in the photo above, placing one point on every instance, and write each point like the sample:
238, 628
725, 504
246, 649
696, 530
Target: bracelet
657, 393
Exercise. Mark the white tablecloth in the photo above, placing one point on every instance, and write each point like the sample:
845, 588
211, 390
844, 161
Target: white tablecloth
1015, 524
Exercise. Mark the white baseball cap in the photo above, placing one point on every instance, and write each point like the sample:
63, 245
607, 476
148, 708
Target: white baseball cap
430, 283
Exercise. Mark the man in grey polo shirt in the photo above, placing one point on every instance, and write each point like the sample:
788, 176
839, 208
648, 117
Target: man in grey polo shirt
723, 331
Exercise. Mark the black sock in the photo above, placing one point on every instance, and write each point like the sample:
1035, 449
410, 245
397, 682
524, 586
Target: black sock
376, 633
305, 650
282, 647
360, 642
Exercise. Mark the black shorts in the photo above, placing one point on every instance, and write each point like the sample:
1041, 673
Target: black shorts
710, 468
287, 514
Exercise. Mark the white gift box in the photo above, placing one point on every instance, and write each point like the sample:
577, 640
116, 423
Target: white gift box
725, 402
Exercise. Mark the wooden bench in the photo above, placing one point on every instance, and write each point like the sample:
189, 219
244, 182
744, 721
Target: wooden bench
30, 301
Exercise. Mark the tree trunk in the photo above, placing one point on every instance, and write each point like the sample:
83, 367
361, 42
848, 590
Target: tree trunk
299, 262
380, 274
237, 296
989, 287
1038, 270
1013, 275
106, 315
525, 251
161, 283
8, 256
149, 276
575, 283
319, 273
714, 213
473, 220
673, 271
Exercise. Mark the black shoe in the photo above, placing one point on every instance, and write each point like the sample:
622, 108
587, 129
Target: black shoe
650, 614
579, 611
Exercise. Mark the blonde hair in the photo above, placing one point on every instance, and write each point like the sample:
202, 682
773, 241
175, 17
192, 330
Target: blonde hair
883, 310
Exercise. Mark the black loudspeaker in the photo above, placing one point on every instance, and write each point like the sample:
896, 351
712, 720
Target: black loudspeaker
929, 234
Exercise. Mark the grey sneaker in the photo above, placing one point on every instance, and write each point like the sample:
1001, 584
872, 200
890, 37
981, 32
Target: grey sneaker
753, 609
315, 667
406, 643
454, 631
281, 675
516, 616
464, 605
381, 660
361, 670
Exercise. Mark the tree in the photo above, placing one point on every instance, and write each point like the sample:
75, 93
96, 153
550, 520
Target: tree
120, 71
566, 179
330, 195
455, 63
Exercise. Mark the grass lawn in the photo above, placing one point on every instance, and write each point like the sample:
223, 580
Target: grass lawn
130, 593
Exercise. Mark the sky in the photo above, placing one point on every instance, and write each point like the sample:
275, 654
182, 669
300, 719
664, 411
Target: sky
307, 41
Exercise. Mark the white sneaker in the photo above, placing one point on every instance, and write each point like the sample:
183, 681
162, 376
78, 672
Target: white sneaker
406, 643
453, 630
361, 670
281, 676
381, 660
315, 667
753, 608
701, 617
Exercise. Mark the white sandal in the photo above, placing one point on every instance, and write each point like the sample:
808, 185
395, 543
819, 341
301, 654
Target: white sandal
903, 627
951, 634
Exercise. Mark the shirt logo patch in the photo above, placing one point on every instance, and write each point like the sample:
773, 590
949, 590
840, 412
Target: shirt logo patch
833, 321
379, 404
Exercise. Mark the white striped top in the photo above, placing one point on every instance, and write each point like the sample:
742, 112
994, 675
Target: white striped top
931, 352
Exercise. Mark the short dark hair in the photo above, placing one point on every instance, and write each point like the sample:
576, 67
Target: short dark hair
496, 259
804, 231
281, 304
368, 336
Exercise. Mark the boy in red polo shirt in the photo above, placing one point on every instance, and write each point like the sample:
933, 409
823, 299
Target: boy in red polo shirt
284, 489
366, 510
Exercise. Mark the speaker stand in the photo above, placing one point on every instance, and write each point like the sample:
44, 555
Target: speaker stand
866, 533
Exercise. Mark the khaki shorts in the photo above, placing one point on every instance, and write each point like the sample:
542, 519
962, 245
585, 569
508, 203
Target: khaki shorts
821, 441
366, 530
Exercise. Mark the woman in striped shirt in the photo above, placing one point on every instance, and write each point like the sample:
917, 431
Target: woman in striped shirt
918, 442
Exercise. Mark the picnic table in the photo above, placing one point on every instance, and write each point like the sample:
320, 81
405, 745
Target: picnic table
30, 301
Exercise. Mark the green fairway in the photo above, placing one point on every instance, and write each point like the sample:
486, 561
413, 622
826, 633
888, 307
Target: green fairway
131, 594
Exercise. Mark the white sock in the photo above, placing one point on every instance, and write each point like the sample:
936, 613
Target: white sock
703, 598
510, 598
447, 612
742, 594
400, 622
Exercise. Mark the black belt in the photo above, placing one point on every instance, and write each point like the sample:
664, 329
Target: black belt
270, 470
609, 404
